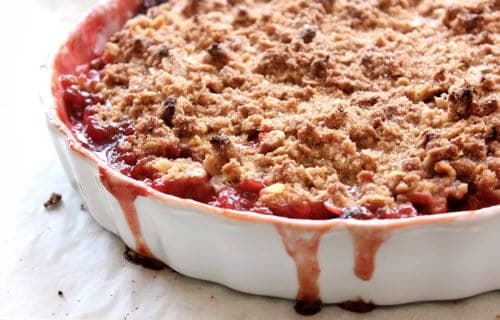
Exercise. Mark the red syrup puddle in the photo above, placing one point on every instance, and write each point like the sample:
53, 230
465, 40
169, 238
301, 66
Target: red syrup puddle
126, 193
357, 306
144, 261
302, 246
367, 241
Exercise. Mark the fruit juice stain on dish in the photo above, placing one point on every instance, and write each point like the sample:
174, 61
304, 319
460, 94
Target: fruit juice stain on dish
126, 193
366, 244
302, 246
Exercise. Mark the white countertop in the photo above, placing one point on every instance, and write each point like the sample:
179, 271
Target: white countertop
43, 252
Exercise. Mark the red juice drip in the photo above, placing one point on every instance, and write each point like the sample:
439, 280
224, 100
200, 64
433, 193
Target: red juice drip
126, 193
302, 247
367, 241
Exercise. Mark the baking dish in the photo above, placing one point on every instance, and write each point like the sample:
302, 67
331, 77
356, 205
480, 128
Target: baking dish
446, 256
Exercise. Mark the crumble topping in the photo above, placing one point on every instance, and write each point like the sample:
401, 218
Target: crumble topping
381, 108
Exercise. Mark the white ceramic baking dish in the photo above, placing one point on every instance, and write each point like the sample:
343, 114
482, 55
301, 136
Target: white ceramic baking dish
384, 262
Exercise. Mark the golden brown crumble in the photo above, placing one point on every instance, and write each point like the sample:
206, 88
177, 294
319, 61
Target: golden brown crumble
359, 103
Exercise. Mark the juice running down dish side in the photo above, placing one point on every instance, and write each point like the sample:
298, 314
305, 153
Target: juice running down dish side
316, 110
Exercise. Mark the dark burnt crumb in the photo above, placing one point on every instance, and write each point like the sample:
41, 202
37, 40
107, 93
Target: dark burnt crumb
60, 293
169, 112
148, 4
253, 135
218, 55
220, 142
309, 34
162, 51
53, 202
83, 207
492, 134
319, 67
243, 18
139, 45
461, 102
358, 306
307, 308
463, 20
146, 262
472, 22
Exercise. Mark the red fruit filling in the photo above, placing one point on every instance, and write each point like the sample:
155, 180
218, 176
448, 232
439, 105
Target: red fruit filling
242, 196
198, 189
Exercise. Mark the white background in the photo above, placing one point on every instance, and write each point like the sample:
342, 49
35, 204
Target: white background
43, 252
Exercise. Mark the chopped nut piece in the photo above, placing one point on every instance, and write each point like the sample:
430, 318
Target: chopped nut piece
218, 55
309, 34
169, 112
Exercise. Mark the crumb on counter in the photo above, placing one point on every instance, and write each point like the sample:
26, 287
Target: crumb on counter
54, 201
